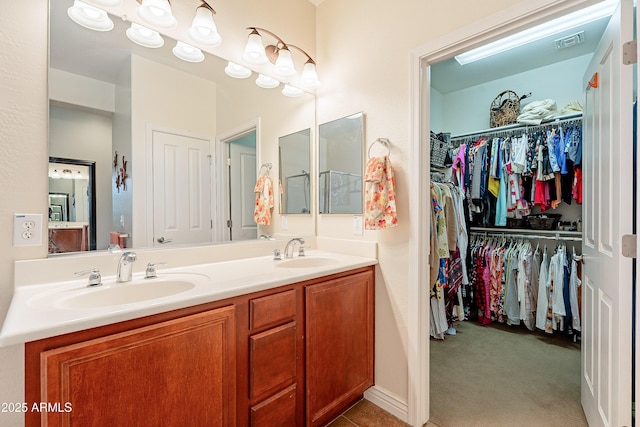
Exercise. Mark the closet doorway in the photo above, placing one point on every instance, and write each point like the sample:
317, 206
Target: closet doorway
606, 345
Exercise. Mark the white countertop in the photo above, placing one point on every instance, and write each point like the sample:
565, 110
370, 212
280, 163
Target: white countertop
36, 311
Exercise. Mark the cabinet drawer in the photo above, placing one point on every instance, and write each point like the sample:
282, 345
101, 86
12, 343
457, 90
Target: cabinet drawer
272, 309
272, 359
277, 411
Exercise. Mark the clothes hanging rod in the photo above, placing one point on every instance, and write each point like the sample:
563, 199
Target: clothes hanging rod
558, 236
517, 126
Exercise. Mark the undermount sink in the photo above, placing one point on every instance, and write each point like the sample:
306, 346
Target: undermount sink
307, 262
126, 293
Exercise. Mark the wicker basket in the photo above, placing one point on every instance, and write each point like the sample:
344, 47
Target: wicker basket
505, 109
517, 223
544, 221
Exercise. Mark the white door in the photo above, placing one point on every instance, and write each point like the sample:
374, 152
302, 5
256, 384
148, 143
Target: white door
607, 210
242, 180
181, 189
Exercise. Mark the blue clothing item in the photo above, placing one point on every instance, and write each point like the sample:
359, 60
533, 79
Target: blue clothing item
501, 202
553, 143
562, 159
573, 143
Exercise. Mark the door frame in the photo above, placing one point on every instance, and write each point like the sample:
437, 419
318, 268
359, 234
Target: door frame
150, 129
222, 177
508, 21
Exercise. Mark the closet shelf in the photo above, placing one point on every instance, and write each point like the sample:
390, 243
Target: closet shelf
557, 233
518, 126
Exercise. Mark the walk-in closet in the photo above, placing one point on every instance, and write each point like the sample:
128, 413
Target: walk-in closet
506, 221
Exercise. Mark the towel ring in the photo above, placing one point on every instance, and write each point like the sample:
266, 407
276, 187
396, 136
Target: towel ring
382, 141
267, 166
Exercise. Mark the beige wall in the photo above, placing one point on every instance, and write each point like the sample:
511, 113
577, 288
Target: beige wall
364, 61
23, 158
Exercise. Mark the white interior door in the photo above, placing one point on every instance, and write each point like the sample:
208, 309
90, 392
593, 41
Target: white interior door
242, 180
181, 189
608, 202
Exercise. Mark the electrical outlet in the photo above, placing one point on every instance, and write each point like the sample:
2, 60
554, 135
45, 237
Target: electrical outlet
27, 229
284, 222
357, 225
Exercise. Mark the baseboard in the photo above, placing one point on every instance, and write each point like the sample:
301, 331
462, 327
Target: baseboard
388, 401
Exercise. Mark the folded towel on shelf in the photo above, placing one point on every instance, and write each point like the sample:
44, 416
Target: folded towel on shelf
380, 194
572, 108
537, 111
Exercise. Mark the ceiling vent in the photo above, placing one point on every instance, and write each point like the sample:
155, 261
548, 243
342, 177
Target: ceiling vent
569, 41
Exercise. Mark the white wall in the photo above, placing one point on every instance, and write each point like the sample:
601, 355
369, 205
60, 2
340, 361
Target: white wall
80, 134
467, 110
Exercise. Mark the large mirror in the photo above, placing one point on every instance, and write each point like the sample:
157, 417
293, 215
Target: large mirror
159, 131
341, 148
295, 172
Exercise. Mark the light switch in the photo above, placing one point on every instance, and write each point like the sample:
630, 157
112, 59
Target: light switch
357, 225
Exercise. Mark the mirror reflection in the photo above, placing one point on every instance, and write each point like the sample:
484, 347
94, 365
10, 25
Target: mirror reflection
341, 145
72, 208
295, 176
160, 131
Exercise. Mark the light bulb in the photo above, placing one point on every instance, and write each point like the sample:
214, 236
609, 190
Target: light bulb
284, 64
254, 50
144, 36
90, 16
203, 29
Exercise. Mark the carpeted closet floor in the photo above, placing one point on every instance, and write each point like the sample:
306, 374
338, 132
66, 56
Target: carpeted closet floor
505, 376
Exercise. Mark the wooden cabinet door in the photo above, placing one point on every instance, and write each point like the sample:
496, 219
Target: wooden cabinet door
339, 344
175, 373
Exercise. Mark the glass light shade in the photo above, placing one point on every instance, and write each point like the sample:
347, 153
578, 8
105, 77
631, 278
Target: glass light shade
291, 91
267, 82
90, 16
187, 52
254, 50
55, 174
144, 36
108, 3
157, 12
237, 71
309, 76
203, 29
284, 64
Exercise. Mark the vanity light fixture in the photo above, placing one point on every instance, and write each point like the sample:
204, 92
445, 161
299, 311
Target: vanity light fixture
583, 16
279, 53
267, 82
237, 71
203, 29
157, 12
188, 53
107, 3
90, 16
292, 91
55, 174
144, 36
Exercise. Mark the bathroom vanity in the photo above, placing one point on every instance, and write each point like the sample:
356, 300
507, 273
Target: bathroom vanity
291, 355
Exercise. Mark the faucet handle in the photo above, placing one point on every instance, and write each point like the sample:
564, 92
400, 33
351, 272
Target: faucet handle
95, 279
301, 250
150, 272
277, 255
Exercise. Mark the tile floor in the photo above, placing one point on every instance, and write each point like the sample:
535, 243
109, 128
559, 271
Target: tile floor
366, 414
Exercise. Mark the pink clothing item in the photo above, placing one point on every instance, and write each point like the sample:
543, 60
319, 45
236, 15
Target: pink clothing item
264, 201
459, 165
380, 195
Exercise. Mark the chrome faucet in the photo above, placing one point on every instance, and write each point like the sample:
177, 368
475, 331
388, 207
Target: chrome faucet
125, 267
290, 244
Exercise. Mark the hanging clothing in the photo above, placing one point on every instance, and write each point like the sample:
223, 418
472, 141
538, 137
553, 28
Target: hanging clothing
380, 194
543, 293
264, 200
